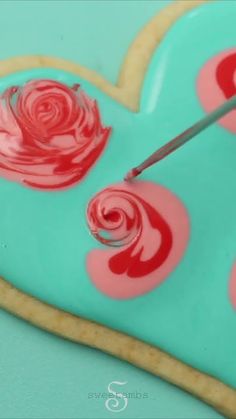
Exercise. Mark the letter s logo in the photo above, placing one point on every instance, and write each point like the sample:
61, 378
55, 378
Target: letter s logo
113, 403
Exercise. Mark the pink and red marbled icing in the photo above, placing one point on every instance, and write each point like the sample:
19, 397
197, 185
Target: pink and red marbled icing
151, 227
50, 134
217, 82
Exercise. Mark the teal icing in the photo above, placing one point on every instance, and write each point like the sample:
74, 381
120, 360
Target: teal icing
44, 238
69, 374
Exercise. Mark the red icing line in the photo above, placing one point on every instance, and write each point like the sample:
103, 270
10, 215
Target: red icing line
133, 265
50, 134
225, 75
151, 229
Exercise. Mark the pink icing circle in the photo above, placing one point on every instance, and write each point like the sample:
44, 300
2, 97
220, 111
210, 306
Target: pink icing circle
174, 213
211, 94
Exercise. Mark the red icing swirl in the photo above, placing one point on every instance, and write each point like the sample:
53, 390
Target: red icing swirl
128, 220
50, 134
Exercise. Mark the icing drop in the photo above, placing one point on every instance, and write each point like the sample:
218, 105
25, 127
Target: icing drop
232, 286
50, 134
150, 226
216, 83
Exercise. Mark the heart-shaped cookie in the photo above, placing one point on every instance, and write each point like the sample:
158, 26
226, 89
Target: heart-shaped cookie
47, 249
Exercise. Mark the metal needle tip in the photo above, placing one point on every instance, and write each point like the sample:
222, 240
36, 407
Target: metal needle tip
132, 174
183, 138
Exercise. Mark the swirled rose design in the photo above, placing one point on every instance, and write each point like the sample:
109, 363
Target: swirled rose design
126, 217
50, 134
150, 227
116, 213
216, 83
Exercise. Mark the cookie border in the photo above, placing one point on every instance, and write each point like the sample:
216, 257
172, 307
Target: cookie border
126, 91
143, 355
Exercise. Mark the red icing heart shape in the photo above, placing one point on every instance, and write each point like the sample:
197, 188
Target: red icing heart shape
50, 134
151, 227
216, 83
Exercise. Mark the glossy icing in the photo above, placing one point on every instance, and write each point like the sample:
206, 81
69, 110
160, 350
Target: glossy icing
217, 82
50, 134
46, 234
151, 227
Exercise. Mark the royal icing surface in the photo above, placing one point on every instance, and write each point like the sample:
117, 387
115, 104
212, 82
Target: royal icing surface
47, 248
50, 134
150, 226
